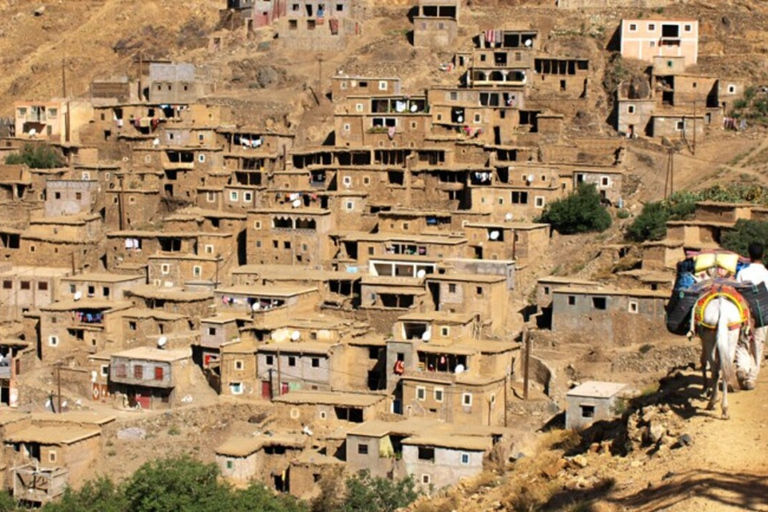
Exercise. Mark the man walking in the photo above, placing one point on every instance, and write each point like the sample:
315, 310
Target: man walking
748, 368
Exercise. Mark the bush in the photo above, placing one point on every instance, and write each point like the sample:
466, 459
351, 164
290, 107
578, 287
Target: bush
744, 233
362, 492
580, 212
622, 214
651, 224
37, 156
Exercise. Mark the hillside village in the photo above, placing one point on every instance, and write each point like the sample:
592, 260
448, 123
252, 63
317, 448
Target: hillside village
351, 268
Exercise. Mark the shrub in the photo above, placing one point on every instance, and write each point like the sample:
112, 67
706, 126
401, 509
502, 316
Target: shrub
651, 224
580, 212
37, 156
622, 214
743, 233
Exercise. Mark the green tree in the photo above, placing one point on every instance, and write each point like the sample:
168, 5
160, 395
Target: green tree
258, 498
100, 495
373, 494
7, 503
651, 224
744, 233
182, 484
37, 156
580, 212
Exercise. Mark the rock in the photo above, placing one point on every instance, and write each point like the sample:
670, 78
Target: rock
553, 469
685, 440
132, 433
594, 447
635, 464
669, 475
667, 440
580, 461
40, 11
655, 432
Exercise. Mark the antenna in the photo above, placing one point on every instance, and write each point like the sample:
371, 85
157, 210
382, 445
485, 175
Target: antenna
161, 341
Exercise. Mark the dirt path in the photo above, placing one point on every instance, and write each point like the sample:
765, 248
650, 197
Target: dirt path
726, 469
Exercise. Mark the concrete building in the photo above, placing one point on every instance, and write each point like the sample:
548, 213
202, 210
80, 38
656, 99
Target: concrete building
647, 38
592, 401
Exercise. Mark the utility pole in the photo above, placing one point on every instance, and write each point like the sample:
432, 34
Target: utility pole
527, 362
63, 78
74, 269
216, 282
120, 206
693, 150
58, 385
319, 76
141, 71
669, 180
279, 373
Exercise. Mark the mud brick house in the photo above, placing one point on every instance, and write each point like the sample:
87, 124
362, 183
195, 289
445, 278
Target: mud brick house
485, 295
337, 289
150, 378
61, 242
73, 328
194, 304
517, 241
267, 303
608, 180
140, 325
231, 368
436, 325
391, 121
546, 286
592, 401
560, 79
18, 357
265, 458
436, 454
306, 406
647, 38
307, 469
70, 197
178, 270
98, 285
503, 268
309, 24
27, 289
289, 237
343, 86
299, 365
436, 23
616, 317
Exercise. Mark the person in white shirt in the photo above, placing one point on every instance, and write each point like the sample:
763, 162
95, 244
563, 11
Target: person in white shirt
748, 359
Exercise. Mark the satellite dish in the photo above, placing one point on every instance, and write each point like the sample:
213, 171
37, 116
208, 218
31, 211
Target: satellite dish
459, 369
296, 203
494, 235
414, 108
78, 295
161, 341
155, 141
508, 217
528, 43
94, 376
421, 273
295, 335
32, 132
426, 336
530, 178
256, 306
460, 119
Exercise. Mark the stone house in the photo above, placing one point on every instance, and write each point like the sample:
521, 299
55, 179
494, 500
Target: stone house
485, 295
545, 287
61, 242
616, 317
172, 83
309, 24
379, 121
321, 407
179, 269
150, 378
521, 242
289, 237
193, 303
98, 285
70, 197
298, 365
264, 458
267, 304
233, 369
592, 401
140, 326
16, 358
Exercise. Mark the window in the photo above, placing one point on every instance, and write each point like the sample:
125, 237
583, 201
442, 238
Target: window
633, 307
78, 196
165, 269
687, 28
25, 285
605, 181
479, 290
438, 394
571, 300
311, 24
445, 331
211, 331
291, 361
366, 180
346, 127
53, 341
680, 125
421, 393
230, 464
477, 118
633, 27
362, 449
465, 459
201, 158
293, 24
247, 197
257, 225
138, 372
269, 360
343, 85
587, 411
599, 303
406, 226
197, 271
358, 107
105, 291
239, 365
426, 479
382, 85
236, 388
105, 370
315, 362
52, 456
466, 399
539, 202
7, 285
630, 109
234, 196
651, 27
426, 453
132, 325
519, 197
731, 89
349, 205
159, 373
347, 180
451, 288
208, 249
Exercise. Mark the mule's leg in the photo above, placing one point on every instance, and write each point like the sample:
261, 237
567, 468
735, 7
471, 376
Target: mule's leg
715, 367
703, 362
724, 405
